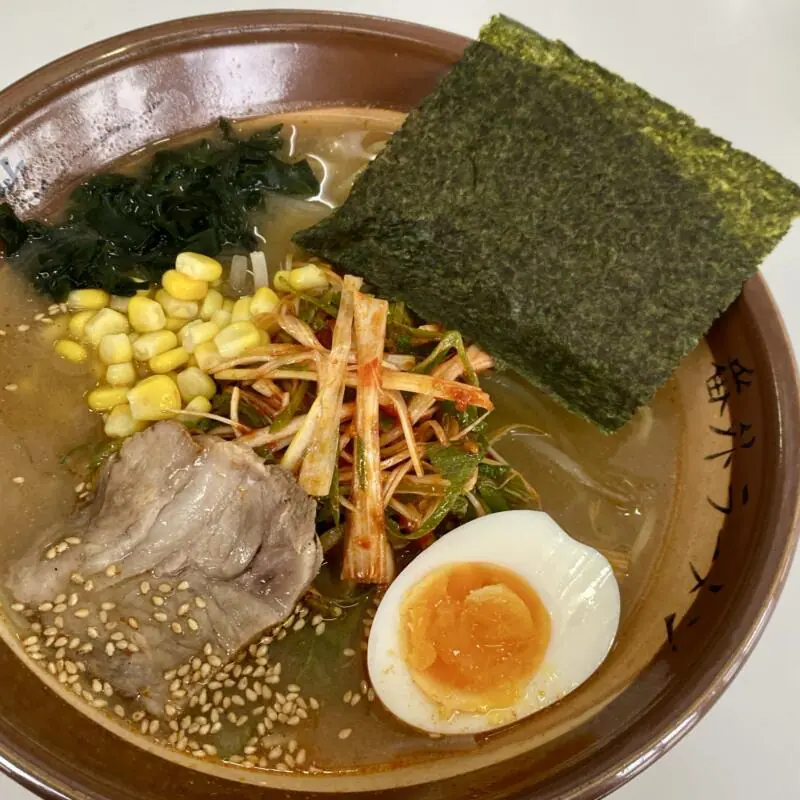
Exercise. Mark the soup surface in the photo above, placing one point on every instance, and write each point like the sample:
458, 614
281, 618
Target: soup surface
292, 698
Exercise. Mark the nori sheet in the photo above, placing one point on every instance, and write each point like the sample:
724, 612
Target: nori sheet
579, 229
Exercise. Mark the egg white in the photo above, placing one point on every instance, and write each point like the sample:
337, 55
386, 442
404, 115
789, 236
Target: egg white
574, 582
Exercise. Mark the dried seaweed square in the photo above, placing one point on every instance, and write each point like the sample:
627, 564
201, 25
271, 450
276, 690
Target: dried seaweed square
579, 229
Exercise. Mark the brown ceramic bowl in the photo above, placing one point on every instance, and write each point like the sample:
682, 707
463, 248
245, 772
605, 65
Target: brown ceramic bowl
696, 612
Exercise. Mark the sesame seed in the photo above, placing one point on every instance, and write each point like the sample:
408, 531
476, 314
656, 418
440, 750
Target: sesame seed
58, 622
93, 633
112, 570
51, 554
76, 578
108, 606
118, 636
293, 720
157, 600
314, 703
144, 587
119, 711
153, 727
356, 700
176, 627
164, 588
300, 758
133, 623
82, 613
370, 695
348, 651
86, 648
60, 608
347, 696
320, 629
72, 540
17, 607
138, 716
46, 607
22, 328
344, 733
99, 702
183, 610
199, 602
192, 623
110, 649
62, 547
160, 616
316, 619
74, 642
88, 586
122, 645
73, 599
363, 686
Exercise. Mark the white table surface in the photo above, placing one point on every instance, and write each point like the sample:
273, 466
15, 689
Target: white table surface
734, 65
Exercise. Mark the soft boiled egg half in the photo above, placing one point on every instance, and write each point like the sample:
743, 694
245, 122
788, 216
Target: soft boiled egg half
495, 621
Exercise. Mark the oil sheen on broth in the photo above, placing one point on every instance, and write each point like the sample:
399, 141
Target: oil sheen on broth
611, 492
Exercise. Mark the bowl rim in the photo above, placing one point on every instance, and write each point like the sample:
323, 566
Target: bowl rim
71, 70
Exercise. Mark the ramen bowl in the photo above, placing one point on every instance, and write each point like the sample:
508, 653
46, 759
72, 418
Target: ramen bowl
696, 598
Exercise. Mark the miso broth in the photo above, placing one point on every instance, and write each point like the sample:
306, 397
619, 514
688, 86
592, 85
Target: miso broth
293, 698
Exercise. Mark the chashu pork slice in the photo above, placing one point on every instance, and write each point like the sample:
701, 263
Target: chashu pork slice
191, 548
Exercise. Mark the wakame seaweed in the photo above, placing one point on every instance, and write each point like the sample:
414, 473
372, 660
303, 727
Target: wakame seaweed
121, 232
582, 231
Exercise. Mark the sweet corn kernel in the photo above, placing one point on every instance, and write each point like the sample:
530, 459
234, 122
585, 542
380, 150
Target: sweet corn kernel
193, 382
153, 344
206, 355
87, 299
146, 315
77, 323
228, 304
179, 309
237, 338
119, 303
281, 281
307, 278
197, 404
121, 374
72, 351
182, 287
193, 335
120, 422
212, 303
104, 322
265, 301
166, 362
104, 398
199, 267
154, 398
174, 324
115, 348
221, 318
241, 309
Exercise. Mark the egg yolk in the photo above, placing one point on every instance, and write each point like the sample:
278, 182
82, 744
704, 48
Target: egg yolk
473, 635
